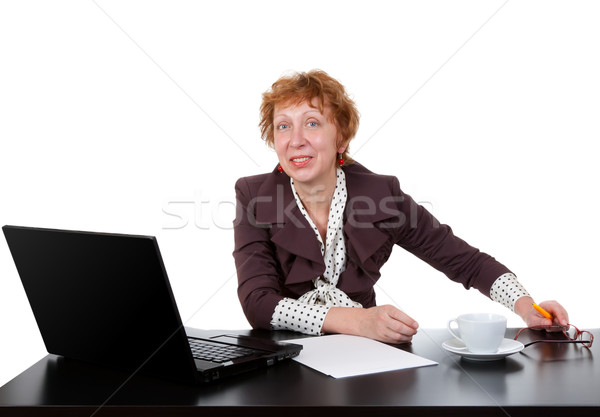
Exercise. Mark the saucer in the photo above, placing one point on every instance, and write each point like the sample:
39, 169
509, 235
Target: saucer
507, 347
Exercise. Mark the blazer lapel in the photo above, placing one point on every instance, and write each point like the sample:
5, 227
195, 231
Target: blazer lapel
364, 208
276, 206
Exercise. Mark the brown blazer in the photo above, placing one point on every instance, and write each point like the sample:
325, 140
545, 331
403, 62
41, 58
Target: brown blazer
277, 254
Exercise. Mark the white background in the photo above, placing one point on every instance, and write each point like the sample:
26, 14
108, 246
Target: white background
138, 116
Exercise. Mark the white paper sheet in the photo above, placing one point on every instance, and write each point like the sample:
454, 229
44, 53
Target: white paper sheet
342, 356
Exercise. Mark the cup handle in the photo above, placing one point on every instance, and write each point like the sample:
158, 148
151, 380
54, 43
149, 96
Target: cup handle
452, 330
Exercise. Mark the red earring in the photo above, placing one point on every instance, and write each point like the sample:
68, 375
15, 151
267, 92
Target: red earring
279, 168
340, 160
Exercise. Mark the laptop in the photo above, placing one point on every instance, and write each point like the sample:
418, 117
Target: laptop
106, 299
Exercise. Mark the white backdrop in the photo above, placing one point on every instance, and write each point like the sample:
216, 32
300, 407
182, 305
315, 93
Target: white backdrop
138, 116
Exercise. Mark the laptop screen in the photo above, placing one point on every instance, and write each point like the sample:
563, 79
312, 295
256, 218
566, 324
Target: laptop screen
102, 298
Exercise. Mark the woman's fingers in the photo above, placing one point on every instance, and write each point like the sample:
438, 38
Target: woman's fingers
392, 325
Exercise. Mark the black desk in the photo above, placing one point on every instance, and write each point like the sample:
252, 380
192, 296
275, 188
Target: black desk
544, 379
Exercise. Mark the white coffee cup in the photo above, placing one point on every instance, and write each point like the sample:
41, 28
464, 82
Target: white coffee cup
480, 332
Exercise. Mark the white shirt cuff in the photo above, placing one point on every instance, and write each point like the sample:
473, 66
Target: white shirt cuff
506, 290
300, 317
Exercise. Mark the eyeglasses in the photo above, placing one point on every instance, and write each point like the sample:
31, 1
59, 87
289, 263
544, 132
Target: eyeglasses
572, 334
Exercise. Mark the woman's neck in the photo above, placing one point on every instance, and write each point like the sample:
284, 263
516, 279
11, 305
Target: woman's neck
316, 199
316, 196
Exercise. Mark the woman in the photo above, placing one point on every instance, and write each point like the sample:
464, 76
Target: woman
311, 236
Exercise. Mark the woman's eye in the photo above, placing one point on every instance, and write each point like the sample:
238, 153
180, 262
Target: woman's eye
282, 126
313, 124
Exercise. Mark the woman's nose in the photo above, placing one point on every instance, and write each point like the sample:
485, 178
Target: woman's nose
298, 138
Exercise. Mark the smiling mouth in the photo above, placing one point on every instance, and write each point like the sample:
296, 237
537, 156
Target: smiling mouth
305, 158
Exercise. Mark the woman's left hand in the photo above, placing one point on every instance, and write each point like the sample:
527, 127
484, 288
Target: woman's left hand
533, 318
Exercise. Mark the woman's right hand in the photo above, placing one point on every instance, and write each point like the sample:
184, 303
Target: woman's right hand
385, 323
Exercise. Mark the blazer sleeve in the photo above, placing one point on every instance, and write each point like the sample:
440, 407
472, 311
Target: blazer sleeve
436, 244
255, 261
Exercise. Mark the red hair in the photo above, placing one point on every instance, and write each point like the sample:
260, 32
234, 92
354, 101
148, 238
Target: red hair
304, 87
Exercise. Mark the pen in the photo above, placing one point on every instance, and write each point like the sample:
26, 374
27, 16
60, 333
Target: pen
542, 311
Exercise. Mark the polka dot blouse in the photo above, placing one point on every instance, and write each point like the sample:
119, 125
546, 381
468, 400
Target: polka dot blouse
307, 314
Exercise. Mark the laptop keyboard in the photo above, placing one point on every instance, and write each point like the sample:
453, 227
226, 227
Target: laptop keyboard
217, 352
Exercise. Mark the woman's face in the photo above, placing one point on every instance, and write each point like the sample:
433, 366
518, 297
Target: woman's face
305, 143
